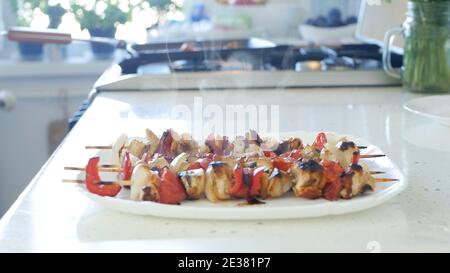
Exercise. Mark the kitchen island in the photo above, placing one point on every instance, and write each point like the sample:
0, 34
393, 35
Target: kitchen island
54, 216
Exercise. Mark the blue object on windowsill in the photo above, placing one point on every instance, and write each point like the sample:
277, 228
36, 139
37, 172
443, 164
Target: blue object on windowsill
198, 13
102, 51
31, 51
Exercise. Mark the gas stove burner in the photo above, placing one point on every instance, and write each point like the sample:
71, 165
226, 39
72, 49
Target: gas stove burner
353, 57
192, 66
317, 53
338, 63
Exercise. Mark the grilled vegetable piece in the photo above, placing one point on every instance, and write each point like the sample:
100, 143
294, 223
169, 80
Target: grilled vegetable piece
320, 141
219, 145
332, 179
168, 144
92, 180
127, 167
308, 179
194, 183
117, 148
153, 142
186, 144
180, 163
282, 164
219, 181
201, 163
170, 188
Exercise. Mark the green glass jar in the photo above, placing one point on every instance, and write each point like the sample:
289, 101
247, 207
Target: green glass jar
426, 60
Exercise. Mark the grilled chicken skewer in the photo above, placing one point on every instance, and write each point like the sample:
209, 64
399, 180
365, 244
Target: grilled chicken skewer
241, 169
173, 144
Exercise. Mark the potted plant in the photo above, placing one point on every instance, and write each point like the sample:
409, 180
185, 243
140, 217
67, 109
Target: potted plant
100, 18
426, 58
24, 11
55, 14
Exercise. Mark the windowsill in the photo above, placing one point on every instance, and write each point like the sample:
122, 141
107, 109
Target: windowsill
45, 68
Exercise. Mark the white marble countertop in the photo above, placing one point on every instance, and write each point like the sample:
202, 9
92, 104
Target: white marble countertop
52, 216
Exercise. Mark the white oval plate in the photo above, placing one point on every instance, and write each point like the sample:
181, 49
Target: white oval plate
285, 207
434, 107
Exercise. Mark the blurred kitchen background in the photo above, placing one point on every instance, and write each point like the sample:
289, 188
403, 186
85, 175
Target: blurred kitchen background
42, 86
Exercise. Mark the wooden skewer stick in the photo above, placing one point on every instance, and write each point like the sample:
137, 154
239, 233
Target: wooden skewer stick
371, 156
80, 181
99, 147
110, 169
376, 172
102, 147
381, 180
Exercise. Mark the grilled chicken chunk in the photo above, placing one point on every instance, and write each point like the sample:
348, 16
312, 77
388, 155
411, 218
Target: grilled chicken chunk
308, 179
159, 163
138, 147
144, 184
194, 183
275, 185
342, 152
219, 180
356, 181
289, 145
229, 160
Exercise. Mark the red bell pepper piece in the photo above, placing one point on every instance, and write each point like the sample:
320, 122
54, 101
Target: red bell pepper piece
204, 162
332, 176
165, 144
270, 154
93, 180
321, 140
355, 158
201, 163
127, 168
256, 181
294, 154
282, 163
194, 166
239, 188
171, 191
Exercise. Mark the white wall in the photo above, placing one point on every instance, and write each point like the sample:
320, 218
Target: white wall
26, 139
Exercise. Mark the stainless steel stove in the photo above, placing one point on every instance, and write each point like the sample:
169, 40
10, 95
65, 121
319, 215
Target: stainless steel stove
278, 66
